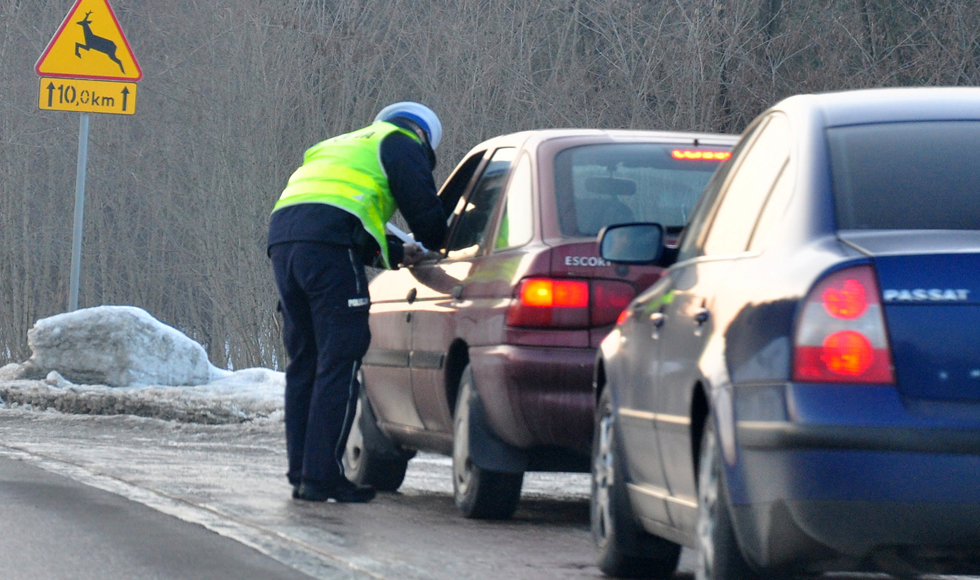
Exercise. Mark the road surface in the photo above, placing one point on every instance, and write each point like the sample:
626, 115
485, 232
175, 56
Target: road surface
55, 527
230, 479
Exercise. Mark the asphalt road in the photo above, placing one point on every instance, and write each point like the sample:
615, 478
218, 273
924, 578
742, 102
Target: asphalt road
54, 527
230, 479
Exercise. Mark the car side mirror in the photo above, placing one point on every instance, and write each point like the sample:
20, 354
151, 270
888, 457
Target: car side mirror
636, 243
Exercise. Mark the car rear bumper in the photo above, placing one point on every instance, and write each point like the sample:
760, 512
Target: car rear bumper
537, 396
855, 476
791, 436
826, 536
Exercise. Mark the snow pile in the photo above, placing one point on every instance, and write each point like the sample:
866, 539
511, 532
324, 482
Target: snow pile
119, 346
120, 360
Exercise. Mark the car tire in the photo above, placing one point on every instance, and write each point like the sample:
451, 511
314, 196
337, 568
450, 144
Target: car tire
623, 548
370, 457
719, 557
479, 493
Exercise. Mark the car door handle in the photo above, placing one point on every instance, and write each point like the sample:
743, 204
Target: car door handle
701, 316
657, 319
412, 294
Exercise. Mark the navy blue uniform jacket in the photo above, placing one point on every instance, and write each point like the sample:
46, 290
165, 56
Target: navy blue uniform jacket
409, 171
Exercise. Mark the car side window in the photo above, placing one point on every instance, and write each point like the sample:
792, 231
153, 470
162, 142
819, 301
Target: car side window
472, 214
692, 238
774, 209
516, 225
748, 189
454, 187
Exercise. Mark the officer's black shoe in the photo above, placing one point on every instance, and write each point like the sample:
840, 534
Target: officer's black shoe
349, 492
313, 493
295, 491
345, 492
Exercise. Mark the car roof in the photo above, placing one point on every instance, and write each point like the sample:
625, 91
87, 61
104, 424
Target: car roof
535, 137
887, 105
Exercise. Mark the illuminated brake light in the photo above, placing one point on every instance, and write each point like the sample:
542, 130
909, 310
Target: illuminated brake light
696, 155
625, 314
847, 301
554, 293
554, 303
571, 294
841, 335
568, 303
847, 353
537, 293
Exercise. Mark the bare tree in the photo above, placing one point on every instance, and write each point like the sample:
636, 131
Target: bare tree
179, 195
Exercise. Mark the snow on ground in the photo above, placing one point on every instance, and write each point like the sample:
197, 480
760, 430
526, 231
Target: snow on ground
111, 360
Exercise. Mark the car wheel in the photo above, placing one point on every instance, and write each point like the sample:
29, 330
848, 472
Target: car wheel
624, 549
719, 557
480, 493
370, 458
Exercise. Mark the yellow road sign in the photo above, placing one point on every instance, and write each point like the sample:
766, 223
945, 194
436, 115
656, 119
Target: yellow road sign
86, 96
89, 44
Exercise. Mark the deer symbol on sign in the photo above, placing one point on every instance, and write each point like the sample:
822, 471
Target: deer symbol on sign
94, 42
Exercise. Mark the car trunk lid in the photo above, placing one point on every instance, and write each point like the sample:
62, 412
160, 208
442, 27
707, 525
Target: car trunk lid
580, 259
930, 286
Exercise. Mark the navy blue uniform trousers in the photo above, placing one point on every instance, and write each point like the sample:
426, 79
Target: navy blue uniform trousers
324, 301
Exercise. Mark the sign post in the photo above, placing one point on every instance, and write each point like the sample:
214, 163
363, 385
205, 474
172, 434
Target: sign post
76, 238
87, 82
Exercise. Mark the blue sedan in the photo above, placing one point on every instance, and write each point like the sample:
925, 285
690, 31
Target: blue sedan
800, 392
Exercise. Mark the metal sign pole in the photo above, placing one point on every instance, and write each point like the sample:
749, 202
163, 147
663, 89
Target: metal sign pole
76, 242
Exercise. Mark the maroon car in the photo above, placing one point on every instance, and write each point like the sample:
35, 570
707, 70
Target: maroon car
487, 353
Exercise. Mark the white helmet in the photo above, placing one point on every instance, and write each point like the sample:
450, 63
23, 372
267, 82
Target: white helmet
418, 113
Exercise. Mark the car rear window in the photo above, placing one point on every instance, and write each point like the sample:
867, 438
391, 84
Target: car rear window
600, 185
898, 176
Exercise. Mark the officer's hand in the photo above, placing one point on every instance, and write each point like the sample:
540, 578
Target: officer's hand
414, 253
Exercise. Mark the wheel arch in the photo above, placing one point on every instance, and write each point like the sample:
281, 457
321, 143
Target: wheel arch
457, 357
598, 380
700, 411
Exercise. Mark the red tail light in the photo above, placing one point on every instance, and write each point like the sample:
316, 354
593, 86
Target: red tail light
568, 303
848, 301
609, 299
841, 336
550, 303
623, 316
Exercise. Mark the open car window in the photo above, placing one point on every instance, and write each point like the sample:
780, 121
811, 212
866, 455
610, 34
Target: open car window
454, 187
471, 217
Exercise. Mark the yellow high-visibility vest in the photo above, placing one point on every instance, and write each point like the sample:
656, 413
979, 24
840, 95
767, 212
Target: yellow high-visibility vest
346, 172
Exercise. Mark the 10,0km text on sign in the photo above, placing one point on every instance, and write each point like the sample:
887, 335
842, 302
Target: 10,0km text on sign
87, 96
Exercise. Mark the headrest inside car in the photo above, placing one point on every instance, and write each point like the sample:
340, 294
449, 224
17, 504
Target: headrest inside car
610, 186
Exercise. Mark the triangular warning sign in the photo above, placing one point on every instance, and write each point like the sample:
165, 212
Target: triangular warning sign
89, 44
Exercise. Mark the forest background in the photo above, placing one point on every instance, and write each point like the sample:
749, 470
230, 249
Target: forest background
233, 91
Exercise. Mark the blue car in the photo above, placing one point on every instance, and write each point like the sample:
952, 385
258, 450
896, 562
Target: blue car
800, 392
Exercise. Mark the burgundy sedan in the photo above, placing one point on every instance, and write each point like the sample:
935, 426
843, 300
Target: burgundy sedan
487, 353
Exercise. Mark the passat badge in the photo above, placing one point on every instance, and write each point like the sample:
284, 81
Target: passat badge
925, 295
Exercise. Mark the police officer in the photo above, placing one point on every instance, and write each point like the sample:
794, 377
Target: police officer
328, 223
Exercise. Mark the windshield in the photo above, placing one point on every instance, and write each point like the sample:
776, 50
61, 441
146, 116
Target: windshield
900, 176
600, 185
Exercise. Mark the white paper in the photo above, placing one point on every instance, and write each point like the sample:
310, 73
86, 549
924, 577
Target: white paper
404, 236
